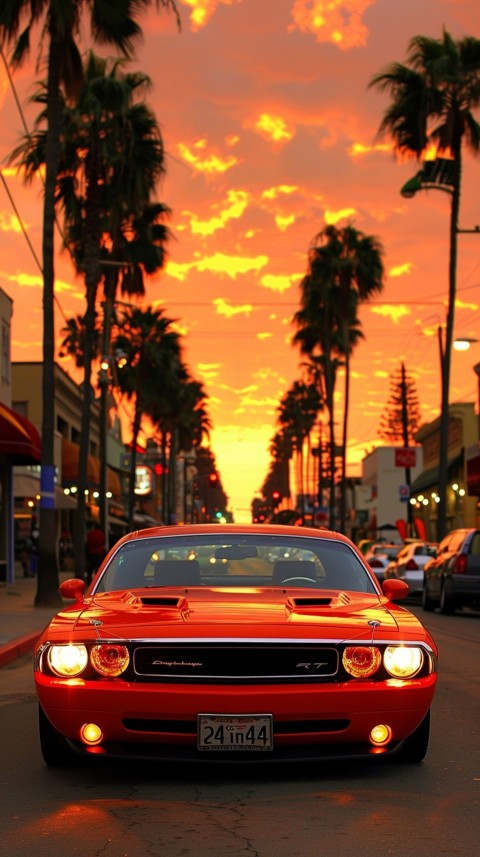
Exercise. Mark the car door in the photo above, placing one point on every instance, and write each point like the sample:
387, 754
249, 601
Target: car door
473, 566
435, 569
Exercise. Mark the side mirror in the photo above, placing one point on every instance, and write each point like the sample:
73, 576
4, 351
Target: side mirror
395, 589
73, 589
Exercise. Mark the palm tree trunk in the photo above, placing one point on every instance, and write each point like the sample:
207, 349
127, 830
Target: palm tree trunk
343, 482
137, 419
92, 276
48, 572
446, 349
329, 397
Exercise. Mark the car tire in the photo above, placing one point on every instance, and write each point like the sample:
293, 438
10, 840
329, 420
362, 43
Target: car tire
414, 748
427, 603
447, 603
55, 750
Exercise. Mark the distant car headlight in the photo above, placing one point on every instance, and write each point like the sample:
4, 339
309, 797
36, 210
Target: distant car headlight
109, 659
361, 661
68, 660
403, 661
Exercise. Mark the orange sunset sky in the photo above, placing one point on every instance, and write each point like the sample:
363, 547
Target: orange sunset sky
270, 131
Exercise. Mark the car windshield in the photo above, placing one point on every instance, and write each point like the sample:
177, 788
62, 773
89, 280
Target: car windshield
237, 560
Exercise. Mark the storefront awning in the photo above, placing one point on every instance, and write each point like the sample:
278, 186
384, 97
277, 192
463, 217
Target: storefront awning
26, 486
113, 482
70, 456
429, 478
19, 439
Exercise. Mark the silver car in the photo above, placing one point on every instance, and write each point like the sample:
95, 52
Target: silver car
409, 564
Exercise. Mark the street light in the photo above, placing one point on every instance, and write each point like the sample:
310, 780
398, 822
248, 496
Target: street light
443, 174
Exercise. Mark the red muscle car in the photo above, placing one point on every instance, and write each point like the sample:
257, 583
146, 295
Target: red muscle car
232, 642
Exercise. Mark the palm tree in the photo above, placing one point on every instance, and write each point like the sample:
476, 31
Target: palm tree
433, 97
353, 265
344, 268
107, 131
180, 417
110, 159
278, 476
297, 413
60, 21
153, 369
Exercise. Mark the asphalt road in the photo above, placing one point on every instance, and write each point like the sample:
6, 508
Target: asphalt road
347, 810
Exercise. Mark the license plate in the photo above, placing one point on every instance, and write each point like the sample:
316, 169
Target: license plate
250, 732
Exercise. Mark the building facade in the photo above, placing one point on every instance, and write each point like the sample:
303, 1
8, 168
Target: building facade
386, 491
20, 445
462, 499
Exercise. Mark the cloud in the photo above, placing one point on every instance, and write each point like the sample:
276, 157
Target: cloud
226, 309
274, 128
209, 163
284, 221
237, 201
33, 281
335, 21
357, 150
202, 10
209, 373
231, 265
279, 190
400, 270
279, 282
219, 263
332, 217
395, 312
9, 223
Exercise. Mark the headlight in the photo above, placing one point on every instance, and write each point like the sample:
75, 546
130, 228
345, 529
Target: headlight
403, 661
361, 661
68, 660
110, 659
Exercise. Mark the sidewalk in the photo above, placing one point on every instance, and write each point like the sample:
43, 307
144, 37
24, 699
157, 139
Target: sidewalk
20, 621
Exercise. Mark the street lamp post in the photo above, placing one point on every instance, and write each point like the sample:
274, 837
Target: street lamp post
443, 174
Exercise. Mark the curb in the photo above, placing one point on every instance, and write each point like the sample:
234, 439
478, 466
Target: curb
18, 647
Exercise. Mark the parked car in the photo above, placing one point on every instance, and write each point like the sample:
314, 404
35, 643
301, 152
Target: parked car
364, 545
230, 642
452, 578
379, 556
409, 564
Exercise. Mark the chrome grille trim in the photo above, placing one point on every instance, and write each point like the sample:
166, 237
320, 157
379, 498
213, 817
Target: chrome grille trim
225, 662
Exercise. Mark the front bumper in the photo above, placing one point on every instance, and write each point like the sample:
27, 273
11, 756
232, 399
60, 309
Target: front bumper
160, 721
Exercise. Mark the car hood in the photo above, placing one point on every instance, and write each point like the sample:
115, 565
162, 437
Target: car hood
244, 613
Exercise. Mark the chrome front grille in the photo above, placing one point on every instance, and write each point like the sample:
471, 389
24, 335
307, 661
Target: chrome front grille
235, 662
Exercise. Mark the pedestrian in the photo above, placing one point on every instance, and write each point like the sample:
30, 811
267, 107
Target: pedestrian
33, 550
25, 558
95, 550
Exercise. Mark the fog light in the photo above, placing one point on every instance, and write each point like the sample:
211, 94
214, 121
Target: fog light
380, 735
91, 734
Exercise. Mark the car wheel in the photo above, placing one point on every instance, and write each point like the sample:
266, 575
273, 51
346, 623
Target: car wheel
427, 603
447, 603
414, 749
55, 750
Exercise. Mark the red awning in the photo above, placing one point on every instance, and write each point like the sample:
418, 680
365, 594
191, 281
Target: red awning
70, 456
19, 439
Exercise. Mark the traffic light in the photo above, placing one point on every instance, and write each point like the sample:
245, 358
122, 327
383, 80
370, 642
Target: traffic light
276, 498
213, 478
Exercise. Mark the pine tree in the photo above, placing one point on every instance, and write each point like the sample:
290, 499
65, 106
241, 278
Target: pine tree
401, 419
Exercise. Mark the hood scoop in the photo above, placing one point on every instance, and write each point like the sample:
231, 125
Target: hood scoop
320, 600
178, 601
312, 602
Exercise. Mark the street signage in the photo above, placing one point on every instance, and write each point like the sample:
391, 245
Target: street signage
405, 457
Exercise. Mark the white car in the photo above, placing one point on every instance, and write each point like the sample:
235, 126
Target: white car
380, 555
409, 564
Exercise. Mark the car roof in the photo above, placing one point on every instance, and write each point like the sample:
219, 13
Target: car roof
237, 529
